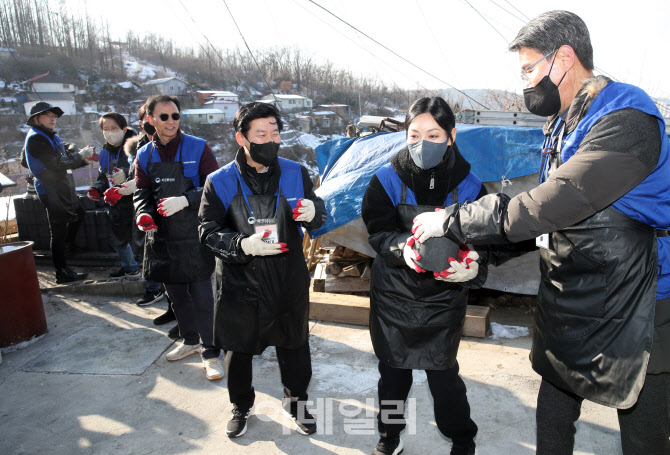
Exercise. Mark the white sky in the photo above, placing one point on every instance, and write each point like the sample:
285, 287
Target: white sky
445, 37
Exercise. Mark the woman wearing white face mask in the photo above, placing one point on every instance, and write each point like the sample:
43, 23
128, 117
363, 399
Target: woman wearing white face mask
116, 190
419, 293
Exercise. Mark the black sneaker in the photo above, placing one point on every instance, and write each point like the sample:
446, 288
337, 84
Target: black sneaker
173, 334
305, 423
463, 449
150, 297
388, 446
166, 317
118, 273
237, 425
67, 275
121, 272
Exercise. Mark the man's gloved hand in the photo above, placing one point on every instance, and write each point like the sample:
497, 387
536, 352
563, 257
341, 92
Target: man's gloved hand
93, 194
118, 176
410, 255
429, 224
304, 211
88, 153
127, 188
145, 222
464, 268
255, 246
171, 205
112, 195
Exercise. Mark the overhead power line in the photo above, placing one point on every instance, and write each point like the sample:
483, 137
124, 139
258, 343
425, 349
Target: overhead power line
398, 55
263, 75
360, 46
486, 20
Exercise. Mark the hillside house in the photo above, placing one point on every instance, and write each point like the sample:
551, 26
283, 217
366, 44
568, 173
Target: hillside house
326, 119
343, 110
205, 96
204, 116
227, 107
50, 83
166, 85
63, 100
288, 102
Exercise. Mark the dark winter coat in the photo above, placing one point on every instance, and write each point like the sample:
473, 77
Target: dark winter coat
121, 214
416, 321
598, 289
55, 176
260, 300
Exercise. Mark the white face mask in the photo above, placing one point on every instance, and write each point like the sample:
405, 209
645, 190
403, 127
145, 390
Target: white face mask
114, 137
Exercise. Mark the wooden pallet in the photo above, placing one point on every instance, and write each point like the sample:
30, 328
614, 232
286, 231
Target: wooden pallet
351, 309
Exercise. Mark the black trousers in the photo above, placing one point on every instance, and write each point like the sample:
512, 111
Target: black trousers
295, 369
644, 428
193, 305
63, 230
450, 402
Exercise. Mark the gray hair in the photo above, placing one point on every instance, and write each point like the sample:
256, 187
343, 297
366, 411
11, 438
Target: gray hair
553, 29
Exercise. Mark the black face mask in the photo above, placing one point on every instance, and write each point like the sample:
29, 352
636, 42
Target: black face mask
543, 99
148, 128
263, 154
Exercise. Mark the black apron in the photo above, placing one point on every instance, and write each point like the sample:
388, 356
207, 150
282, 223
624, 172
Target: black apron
416, 321
594, 319
264, 302
173, 253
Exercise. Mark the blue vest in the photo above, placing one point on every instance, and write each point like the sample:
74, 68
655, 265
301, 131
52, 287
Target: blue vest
189, 153
648, 202
226, 179
468, 189
36, 166
104, 161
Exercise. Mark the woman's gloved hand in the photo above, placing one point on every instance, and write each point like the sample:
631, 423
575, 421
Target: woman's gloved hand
410, 255
119, 176
464, 268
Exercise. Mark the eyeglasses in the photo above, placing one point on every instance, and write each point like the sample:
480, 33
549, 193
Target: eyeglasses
175, 116
524, 73
50, 116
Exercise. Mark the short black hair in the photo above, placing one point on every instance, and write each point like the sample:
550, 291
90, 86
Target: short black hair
252, 111
142, 113
154, 100
553, 29
118, 118
435, 106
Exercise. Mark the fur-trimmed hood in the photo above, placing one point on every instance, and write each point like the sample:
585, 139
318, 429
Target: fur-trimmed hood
133, 144
580, 105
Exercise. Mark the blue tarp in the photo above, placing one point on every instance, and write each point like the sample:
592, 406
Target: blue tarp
346, 165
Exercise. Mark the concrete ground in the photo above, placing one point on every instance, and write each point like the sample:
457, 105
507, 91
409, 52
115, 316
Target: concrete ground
98, 383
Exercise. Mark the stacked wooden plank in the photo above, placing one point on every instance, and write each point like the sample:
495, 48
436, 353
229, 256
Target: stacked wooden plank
343, 270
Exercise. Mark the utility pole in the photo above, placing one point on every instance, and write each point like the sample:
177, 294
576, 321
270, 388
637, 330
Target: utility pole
360, 112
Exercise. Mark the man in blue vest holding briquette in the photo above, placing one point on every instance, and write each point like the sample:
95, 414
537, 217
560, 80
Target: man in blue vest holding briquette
251, 216
170, 171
